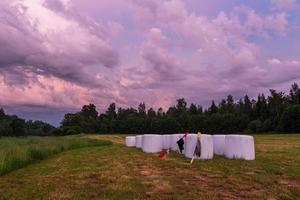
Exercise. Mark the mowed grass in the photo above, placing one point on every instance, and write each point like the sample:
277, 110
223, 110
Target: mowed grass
16, 153
118, 172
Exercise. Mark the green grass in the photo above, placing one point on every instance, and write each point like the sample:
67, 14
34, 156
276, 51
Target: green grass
118, 172
16, 153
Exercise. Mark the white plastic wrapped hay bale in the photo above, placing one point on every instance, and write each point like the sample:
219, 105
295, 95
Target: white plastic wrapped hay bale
219, 144
138, 141
239, 147
130, 141
248, 152
233, 146
207, 149
190, 145
174, 139
167, 143
152, 143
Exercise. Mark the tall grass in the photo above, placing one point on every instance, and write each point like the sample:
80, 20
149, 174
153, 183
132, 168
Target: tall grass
16, 153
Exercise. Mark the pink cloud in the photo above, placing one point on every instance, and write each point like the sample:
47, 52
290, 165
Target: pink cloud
285, 4
55, 93
48, 41
280, 71
132, 51
226, 53
278, 23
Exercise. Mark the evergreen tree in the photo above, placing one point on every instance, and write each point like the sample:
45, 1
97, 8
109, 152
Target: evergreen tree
2, 114
142, 110
295, 94
230, 104
181, 105
213, 108
193, 110
111, 111
223, 106
276, 105
290, 119
151, 113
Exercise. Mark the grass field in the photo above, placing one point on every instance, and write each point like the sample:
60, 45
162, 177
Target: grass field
118, 172
16, 153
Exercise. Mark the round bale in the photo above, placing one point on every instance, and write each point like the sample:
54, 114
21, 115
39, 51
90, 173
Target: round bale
152, 143
207, 149
130, 141
167, 143
190, 145
138, 141
219, 144
239, 147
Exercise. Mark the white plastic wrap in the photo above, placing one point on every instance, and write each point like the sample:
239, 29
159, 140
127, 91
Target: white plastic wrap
219, 144
239, 147
138, 141
207, 148
174, 139
190, 145
130, 141
167, 141
152, 143
231, 146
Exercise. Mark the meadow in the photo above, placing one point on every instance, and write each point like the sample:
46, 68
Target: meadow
118, 172
16, 153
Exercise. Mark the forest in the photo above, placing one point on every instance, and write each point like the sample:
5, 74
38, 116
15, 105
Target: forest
12, 125
278, 112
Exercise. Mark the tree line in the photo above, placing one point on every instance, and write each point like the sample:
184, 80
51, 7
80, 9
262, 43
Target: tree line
12, 125
277, 112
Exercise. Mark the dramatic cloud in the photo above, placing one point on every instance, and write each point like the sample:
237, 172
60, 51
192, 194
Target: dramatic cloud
61, 54
281, 71
49, 38
220, 47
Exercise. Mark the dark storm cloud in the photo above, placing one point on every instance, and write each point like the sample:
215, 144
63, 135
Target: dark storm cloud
62, 49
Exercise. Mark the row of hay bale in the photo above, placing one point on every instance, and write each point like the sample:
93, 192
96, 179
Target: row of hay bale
230, 146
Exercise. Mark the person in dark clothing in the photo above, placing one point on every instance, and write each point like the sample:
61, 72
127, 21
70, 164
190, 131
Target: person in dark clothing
180, 143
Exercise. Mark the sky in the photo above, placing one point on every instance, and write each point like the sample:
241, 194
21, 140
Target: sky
58, 55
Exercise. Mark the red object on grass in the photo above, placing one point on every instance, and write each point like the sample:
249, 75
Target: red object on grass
162, 154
